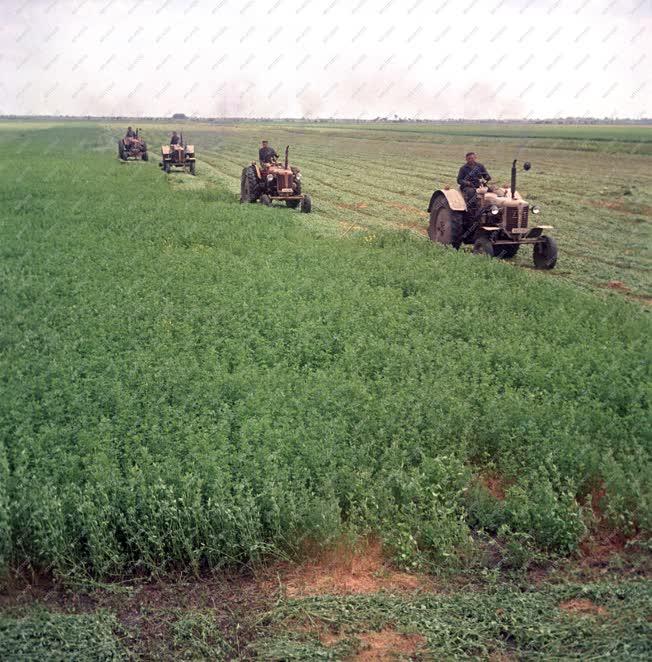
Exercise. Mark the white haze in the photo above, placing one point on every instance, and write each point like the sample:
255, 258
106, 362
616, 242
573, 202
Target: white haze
331, 58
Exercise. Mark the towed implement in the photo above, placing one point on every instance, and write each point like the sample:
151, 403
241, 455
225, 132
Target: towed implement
273, 181
497, 225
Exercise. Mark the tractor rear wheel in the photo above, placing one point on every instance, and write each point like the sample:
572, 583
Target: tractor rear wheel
544, 253
266, 200
483, 246
248, 185
121, 150
306, 204
445, 224
292, 204
166, 167
506, 251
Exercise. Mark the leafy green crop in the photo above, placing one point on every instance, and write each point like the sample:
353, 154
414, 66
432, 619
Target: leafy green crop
189, 381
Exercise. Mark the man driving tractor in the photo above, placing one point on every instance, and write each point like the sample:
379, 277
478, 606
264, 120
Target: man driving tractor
130, 133
469, 178
266, 154
174, 139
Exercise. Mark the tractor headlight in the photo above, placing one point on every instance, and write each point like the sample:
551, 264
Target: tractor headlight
494, 209
270, 177
298, 176
535, 209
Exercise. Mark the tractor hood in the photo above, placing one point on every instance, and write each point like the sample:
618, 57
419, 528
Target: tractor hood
501, 197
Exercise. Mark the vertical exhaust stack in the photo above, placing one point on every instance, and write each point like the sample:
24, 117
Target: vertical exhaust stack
514, 179
287, 150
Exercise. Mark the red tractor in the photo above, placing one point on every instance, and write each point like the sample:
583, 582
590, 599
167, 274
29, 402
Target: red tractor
274, 181
132, 147
497, 225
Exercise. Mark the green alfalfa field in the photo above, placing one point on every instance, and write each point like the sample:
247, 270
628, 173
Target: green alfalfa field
198, 395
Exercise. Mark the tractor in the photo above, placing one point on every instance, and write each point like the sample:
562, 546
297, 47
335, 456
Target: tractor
134, 148
178, 156
496, 223
274, 181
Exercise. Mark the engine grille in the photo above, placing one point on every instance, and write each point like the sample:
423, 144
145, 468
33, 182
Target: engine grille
512, 221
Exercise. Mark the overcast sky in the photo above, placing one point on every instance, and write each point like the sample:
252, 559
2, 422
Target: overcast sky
328, 58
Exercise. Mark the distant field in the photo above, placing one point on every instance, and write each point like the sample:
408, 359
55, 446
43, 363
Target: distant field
597, 194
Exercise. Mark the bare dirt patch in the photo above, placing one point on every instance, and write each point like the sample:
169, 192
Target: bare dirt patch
496, 485
343, 570
389, 645
583, 607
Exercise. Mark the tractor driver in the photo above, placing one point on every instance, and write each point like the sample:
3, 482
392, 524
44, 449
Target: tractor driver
130, 133
174, 139
267, 154
469, 178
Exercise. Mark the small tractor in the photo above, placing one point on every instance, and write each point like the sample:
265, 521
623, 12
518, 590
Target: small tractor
274, 181
178, 156
496, 225
134, 148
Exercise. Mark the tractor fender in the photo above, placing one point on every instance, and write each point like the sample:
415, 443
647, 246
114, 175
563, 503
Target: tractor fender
454, 198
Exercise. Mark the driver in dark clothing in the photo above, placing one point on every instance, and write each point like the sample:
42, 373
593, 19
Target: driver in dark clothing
174, 139
130, 133
469, 178
266, 154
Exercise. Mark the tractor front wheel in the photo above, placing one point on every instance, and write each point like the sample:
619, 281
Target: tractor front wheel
544, 253
445, 224
166, 167
145, 156
192, 167
306, 204
266, 200
483, 246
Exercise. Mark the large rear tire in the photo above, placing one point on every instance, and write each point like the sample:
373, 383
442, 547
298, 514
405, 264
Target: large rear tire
121, 151
445, 224
248, 185
545, 253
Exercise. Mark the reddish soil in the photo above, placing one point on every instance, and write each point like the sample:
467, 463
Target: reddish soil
583, 607
389, 645
346, 571
617, 285
495, 484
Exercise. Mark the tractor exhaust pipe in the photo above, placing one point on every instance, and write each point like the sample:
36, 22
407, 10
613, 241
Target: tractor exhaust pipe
514, 179
287, 149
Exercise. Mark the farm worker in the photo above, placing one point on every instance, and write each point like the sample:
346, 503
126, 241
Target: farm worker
266, 153
175, 140
130, 133
469, 178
